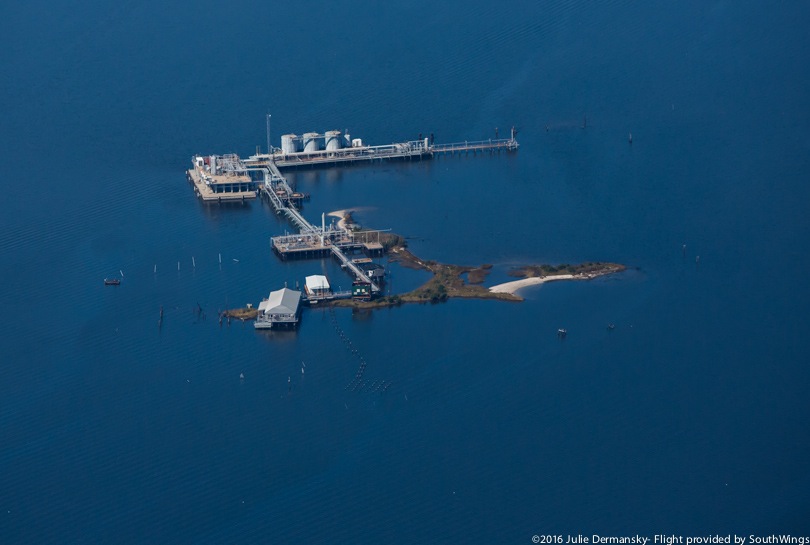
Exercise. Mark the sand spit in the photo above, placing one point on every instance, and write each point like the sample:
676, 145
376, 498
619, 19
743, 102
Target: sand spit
514, 286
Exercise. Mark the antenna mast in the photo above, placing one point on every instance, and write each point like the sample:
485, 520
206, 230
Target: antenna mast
268, 135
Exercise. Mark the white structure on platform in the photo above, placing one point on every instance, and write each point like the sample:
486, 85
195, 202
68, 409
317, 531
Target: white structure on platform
317, 287
279, 309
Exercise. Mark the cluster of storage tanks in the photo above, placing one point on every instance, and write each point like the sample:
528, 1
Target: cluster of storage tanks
312, 142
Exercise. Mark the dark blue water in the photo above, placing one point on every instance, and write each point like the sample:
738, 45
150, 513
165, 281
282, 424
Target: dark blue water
689, 418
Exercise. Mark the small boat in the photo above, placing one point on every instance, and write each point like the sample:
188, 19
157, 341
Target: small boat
112, 281
562, 332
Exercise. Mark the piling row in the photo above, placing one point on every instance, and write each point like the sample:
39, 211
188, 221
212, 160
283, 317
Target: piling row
358, 383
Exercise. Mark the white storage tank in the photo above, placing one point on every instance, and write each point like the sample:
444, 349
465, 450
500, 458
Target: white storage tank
357, 143
312, 142
332, 140
289, 143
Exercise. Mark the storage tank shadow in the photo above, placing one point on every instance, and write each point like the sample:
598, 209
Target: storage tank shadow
312, 142
333, 141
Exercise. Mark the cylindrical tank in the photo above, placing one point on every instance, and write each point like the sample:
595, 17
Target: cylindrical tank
332, 140
288, 143
312, 142
357, 142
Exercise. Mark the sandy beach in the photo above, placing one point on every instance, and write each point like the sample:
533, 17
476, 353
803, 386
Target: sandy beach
340, 214
341, 224
514, 286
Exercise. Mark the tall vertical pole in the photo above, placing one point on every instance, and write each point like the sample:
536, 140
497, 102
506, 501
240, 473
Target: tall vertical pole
323, 228
268, 134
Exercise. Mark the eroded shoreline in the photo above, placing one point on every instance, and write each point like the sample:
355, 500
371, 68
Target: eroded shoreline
448, 280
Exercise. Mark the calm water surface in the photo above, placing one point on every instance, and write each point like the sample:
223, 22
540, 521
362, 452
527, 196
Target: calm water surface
690, 417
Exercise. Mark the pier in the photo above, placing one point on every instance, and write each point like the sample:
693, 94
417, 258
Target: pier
311, 241
308, 151
221, 179
319, 243
404, 150
504, 144
228, 178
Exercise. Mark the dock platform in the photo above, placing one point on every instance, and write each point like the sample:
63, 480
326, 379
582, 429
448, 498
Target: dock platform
314, 244
220, 185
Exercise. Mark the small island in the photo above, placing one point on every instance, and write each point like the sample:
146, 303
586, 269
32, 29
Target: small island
245, 313
448, 281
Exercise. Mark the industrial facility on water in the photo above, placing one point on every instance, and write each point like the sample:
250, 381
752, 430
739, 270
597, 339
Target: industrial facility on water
227, 178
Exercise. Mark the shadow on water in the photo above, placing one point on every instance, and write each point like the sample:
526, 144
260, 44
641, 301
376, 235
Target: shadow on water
317, 175
362, 314
219, 210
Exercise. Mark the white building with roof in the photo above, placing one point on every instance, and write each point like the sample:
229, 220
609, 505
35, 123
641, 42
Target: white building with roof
317, 287
280, 308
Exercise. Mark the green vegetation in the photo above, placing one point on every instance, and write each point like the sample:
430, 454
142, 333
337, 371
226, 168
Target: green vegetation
242, 313
477, 276
448, 280
584, 269
391, 240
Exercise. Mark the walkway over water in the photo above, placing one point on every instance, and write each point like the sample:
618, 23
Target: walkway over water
505, 144
414, 149
312, 240
318, 241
